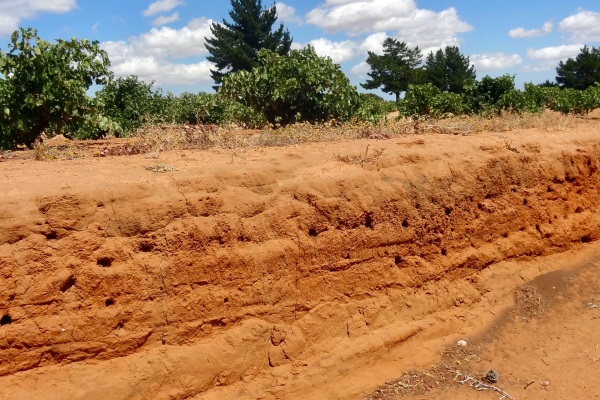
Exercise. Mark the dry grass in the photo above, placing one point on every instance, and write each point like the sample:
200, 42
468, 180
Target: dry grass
454, 359
529, 302
171, 137
360, 158
153, 139
548, 121
454, 369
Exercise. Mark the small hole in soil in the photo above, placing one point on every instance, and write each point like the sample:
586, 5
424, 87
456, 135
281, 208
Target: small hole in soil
444, 252
514, 190
447, 210
480, 206
120, 325
578, 210
405, 224
505, 235
312, 232
68, 284
369, 221
5, 320
524, 202
417, 206
11, 297
146, 247
104, 262
398, 260
52, 235
586, 239
537, 228
109, 302
226, 300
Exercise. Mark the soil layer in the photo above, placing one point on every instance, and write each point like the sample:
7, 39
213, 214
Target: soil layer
310, 271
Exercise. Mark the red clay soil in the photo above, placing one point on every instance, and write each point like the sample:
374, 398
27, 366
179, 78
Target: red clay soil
286, 273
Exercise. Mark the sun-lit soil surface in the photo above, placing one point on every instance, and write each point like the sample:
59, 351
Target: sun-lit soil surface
318, 270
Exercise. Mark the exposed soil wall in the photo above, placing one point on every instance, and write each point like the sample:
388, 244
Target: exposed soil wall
240, 264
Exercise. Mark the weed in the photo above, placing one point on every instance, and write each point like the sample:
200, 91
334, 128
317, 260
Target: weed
361, 158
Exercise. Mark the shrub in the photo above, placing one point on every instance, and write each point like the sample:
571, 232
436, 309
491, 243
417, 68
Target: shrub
486, 95
44, 87
210, 108
429, 100
573, 101
128, 102
373, 108
299, 87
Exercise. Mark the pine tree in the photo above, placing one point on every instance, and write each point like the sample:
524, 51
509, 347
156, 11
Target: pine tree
449, 70
234, 45
581, 72
395, 69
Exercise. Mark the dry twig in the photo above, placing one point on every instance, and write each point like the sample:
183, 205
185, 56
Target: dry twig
481, 385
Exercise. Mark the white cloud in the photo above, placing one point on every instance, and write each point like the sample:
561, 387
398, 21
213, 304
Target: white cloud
150, 55
166, 19
531, 33
95, 26
494, 61
361, 69
161, 6
164, 72
347, 49
417, 27
541, 67
555, 53
14, 11
337, 51
373, 43
357, 17
287, 13
549, 57
584, 27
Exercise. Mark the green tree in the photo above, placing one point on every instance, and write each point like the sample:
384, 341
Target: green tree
395, 69
449, 70
44, 85
581, 72
129, 101
487, 95
294, 88
234, 45
548, 84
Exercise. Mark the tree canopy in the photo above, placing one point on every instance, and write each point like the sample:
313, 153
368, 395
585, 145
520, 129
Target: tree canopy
449, 70
234, 46
395, 69
44, 86
299, 87
581, 72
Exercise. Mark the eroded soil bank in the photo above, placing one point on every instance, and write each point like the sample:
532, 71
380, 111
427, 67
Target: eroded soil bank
277, 273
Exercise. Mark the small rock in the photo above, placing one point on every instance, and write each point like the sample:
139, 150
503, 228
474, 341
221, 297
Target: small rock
491, 376
462, 343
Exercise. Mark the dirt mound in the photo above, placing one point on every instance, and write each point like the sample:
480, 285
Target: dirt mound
276, 272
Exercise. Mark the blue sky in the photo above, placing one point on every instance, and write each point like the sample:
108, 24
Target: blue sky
163, 41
